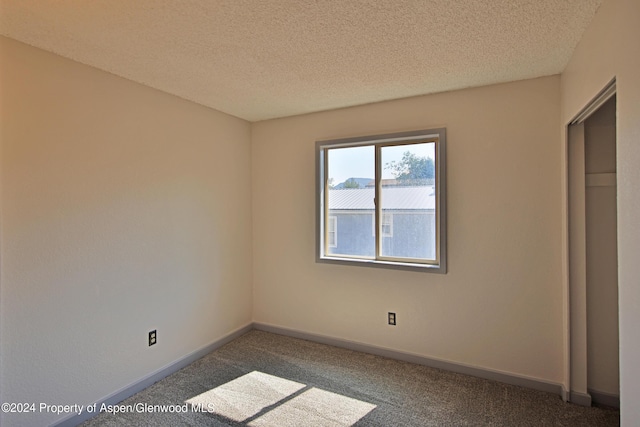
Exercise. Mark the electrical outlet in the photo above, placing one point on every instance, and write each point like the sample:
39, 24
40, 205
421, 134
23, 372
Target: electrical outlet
392, 318
152, 337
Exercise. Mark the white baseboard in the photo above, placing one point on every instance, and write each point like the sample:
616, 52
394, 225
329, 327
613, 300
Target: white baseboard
154, 377
604, 398
579, 398
490, 374
500, 376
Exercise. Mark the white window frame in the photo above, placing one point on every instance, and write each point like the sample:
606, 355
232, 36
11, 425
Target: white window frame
437, 136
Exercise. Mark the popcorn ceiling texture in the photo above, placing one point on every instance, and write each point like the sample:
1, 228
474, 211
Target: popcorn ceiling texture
274, 58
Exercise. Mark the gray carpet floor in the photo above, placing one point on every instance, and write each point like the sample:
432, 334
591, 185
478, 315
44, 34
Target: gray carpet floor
263, 379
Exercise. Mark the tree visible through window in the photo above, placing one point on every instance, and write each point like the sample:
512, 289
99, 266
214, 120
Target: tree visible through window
387, 194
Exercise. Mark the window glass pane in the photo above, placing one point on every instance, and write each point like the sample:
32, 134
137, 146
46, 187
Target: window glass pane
408, 201
351, 175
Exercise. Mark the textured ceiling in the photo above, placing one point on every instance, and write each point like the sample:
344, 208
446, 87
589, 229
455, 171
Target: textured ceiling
260, 59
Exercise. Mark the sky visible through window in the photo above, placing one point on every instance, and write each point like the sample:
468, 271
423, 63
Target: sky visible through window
358, 162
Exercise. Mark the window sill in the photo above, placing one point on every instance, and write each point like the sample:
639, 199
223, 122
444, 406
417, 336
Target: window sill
426, 268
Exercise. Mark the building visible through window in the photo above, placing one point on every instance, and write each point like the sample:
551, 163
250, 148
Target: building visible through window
332, 231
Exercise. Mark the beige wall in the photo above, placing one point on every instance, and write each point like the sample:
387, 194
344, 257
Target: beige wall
124, 209
608, 49
500, 305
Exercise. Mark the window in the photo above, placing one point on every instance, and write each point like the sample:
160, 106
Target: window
387, 192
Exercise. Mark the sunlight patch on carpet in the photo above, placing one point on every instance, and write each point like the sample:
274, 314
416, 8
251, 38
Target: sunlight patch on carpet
316, 407
263, 400
245, 396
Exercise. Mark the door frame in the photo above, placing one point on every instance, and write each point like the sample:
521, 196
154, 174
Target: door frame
575, 259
